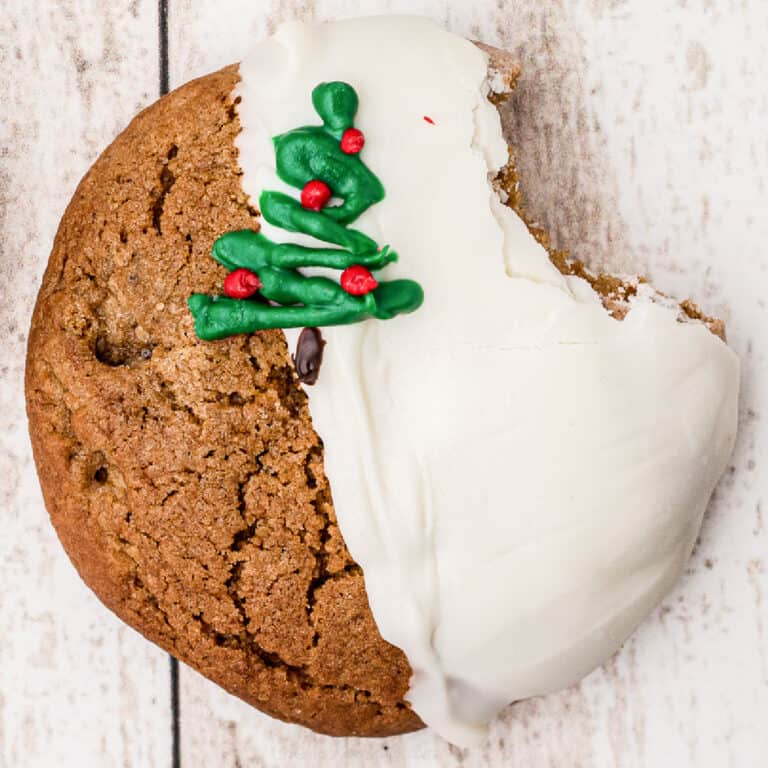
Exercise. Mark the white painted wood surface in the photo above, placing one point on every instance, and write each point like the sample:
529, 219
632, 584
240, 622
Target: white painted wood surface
642, 134
77, 688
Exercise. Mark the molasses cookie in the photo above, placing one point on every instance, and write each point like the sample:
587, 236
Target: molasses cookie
315, 410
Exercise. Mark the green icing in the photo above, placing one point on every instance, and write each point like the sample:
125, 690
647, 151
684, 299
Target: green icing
303, 155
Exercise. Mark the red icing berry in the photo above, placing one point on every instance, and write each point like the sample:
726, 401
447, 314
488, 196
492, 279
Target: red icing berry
241, 284
358, 281
315, 195
352, 141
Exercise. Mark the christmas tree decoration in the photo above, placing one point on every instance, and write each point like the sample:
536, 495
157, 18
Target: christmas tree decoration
358, 281
323, 162
352, 141
315, 195
241, 284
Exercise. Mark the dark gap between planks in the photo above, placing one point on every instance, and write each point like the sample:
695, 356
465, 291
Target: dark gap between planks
162, 26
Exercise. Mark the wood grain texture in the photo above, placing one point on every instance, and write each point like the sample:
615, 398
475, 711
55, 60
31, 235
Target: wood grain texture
640, 132
77, 687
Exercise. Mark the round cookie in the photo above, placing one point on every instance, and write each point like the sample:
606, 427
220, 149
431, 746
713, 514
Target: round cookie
188, 477
184, 478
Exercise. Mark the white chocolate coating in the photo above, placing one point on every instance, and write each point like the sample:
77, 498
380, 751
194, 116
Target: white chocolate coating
520, 476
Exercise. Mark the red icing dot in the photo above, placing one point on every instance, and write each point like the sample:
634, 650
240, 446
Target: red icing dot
352, 141
358, 281
428, 119
241, 284
315, 195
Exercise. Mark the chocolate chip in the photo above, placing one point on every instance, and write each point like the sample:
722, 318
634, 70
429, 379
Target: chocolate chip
309, 355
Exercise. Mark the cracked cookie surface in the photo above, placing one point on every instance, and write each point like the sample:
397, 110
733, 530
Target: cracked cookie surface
184, 478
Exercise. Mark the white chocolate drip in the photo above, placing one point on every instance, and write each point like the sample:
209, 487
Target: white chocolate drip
520, 476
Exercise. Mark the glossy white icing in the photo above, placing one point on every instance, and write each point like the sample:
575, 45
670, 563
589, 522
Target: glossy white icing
520, 476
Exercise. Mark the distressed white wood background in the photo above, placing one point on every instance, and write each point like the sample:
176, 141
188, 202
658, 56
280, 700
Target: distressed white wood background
642, 134
76, 687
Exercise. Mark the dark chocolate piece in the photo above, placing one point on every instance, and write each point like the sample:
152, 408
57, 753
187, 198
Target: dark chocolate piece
309, 355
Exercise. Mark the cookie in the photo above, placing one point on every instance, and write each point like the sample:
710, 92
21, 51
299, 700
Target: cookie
184, 442
185, 480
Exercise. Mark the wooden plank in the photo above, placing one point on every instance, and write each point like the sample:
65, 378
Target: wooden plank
78, 687
639, 129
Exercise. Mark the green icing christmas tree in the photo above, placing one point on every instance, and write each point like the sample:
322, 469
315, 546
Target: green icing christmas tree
323, 162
